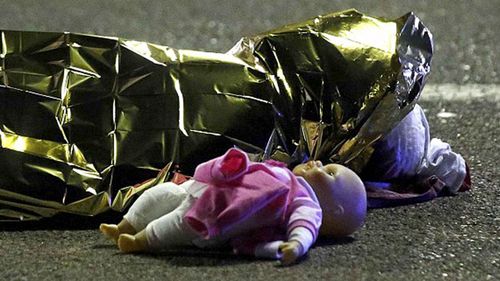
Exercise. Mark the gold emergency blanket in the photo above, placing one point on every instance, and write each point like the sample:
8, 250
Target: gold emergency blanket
84, 117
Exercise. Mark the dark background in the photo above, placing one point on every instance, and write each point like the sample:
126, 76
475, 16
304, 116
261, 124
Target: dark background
451, 238
466, 32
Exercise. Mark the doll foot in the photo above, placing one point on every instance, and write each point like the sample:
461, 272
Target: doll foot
130, 244
110, 231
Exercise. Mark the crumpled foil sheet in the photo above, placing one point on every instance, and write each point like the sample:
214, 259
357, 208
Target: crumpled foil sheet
83, 118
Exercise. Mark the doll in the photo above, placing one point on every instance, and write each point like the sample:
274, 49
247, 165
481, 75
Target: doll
260, 209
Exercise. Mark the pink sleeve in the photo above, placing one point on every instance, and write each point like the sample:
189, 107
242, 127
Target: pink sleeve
304, 210
229, 166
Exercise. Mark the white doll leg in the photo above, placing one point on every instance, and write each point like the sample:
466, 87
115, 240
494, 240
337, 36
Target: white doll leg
170, 230
154, 203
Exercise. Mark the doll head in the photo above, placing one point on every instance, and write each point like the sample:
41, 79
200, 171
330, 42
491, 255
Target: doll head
341, 194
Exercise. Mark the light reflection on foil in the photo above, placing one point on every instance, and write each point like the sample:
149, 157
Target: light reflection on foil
84, 118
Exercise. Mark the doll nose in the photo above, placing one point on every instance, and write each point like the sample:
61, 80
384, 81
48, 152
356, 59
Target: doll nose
311, 164
314, 164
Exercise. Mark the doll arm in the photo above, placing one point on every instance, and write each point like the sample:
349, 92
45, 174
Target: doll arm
303, 221
227, 167
266, 243
303, 226
298, 244
299, 241
305, 210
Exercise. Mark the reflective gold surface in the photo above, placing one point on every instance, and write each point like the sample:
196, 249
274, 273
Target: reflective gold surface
83, 117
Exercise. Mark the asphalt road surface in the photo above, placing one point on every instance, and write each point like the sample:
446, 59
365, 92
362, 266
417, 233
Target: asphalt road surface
450, 238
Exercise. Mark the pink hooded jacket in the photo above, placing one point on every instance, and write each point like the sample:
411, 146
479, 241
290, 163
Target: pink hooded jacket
251, 204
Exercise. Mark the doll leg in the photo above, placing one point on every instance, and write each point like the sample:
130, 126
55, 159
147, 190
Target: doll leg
152, 204
113, 231
163, 233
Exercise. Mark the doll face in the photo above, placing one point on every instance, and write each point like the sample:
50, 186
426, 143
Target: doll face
341, 195
321, 178
309, 169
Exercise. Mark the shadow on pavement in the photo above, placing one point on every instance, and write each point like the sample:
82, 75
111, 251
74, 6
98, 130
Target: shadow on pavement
62, 222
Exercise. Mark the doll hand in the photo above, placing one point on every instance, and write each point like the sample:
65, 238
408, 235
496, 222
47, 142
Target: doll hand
290, 252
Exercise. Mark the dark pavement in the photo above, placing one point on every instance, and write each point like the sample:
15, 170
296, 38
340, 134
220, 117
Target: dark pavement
451, 238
